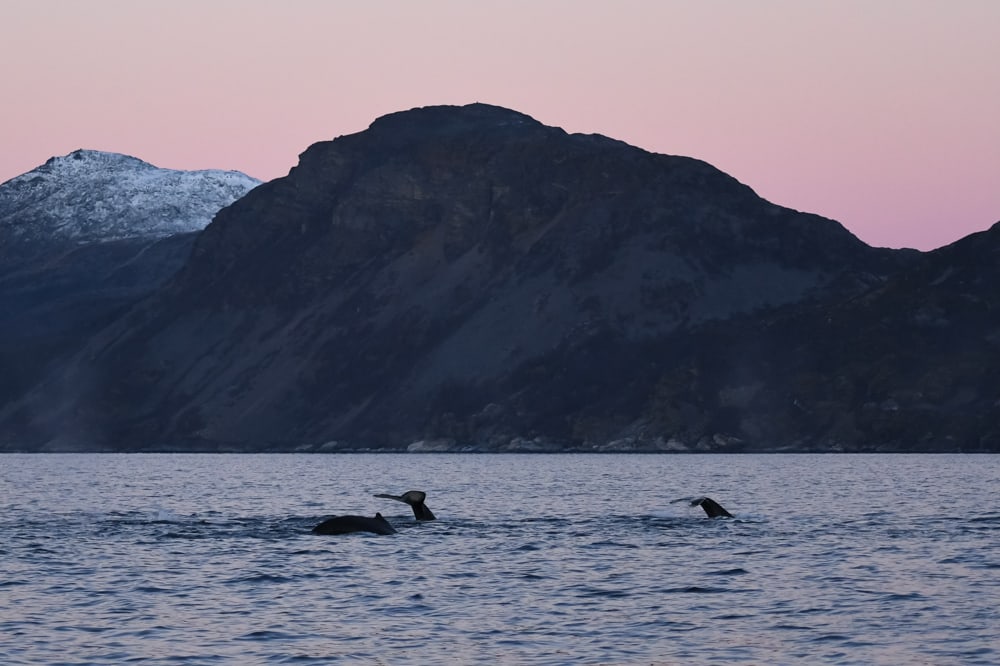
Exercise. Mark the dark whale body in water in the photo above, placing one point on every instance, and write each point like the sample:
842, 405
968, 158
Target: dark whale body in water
415, 498
711, 507
348, 524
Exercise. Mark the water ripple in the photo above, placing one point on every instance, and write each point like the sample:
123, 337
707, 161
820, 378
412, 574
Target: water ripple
210, 559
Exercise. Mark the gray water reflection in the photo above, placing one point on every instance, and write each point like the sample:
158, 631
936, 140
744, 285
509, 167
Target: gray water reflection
534, 559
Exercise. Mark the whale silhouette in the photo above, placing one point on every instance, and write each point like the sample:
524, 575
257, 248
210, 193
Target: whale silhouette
348, 524
711, 507
415, 498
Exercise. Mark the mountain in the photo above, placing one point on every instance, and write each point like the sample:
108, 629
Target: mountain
82, 237
906, 365
92, 196
466, 278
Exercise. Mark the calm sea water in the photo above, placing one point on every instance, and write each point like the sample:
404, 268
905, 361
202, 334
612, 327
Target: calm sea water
534, 559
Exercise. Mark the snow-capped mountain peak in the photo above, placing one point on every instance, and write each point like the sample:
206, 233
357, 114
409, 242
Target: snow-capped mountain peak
94, 196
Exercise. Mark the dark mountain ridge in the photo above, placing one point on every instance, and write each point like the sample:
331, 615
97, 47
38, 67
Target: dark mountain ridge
903, 366
466, 278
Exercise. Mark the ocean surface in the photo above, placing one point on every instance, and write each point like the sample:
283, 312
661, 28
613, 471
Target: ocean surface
534, 559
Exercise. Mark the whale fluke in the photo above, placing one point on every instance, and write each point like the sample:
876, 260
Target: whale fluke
348, 524
711, 507
415, 498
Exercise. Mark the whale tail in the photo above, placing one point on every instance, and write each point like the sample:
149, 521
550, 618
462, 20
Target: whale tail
415, 498
711, 507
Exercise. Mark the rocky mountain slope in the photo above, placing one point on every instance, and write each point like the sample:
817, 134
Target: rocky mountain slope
82, 237
907, 365
466, 278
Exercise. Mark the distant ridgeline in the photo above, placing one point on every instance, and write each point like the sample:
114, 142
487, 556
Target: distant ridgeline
466, 278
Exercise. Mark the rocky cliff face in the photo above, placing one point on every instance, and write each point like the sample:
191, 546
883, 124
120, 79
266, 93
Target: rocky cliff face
906, 365
467, 278
84, 236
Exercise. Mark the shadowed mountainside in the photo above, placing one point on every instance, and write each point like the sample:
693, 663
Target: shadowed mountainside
84, 236
908, 365
468, 278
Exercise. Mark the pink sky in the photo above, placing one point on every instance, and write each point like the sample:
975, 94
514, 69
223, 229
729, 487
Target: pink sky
883, 115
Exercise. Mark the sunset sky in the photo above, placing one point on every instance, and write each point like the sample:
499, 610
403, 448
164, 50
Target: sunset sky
881, 114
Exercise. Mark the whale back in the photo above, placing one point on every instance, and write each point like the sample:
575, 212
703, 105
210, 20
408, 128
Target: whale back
349, 524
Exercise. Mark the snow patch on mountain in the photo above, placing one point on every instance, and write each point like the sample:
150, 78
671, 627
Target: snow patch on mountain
93, 196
